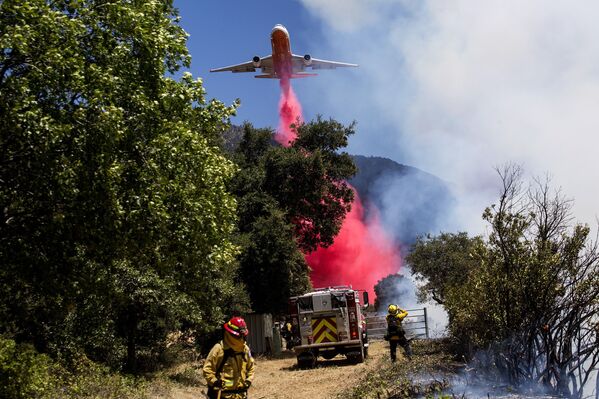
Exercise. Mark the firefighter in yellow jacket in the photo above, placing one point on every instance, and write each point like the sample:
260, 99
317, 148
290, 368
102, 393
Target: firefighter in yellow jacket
229, 367
395, 332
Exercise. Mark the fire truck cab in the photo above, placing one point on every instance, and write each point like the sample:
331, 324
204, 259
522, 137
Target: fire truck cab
327, 322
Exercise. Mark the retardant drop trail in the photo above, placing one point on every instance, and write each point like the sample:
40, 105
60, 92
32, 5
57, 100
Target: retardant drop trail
363, 253
290, 112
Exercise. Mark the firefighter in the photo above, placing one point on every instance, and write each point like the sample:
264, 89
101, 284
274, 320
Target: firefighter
229, 367
395, 332
287, 334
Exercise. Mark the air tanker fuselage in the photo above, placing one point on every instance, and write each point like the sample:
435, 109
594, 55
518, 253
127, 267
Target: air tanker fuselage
281, 52
282, 63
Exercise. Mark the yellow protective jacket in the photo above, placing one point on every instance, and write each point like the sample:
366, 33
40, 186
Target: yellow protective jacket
238, 369
401, 314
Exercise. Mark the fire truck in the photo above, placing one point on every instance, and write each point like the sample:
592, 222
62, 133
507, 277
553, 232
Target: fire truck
327, 322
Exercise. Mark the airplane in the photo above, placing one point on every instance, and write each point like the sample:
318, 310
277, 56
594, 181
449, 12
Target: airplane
282, 64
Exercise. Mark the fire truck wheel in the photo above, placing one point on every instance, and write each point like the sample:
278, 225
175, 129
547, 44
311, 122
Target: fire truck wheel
306, 361
355, 356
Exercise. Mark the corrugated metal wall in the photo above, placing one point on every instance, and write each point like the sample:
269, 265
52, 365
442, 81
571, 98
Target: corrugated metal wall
260, 336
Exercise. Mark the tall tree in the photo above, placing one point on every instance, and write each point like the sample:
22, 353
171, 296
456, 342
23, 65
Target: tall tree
291, 200
115, 222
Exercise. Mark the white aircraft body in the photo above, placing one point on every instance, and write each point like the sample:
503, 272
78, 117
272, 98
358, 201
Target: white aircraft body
282, 64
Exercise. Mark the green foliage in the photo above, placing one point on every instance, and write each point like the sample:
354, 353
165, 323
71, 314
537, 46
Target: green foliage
116, 221
309, 180
442, 263
273, 268
291, 200
91, 380
527, 295
23, 372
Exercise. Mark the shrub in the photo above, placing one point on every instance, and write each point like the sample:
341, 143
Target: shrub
24, 373
27, 374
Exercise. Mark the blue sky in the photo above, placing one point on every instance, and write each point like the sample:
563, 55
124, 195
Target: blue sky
229, 32
455, 88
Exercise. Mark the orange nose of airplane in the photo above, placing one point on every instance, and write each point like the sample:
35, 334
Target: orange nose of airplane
279, 29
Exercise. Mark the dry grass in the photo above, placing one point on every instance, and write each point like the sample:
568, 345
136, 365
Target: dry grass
426, 375
276, 377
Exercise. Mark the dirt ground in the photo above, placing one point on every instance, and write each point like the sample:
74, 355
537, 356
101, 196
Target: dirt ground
280, 378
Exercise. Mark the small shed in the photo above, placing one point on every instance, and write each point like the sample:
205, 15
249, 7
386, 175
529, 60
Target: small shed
261, 332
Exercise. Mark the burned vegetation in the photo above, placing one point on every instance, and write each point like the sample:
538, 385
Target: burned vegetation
523, 303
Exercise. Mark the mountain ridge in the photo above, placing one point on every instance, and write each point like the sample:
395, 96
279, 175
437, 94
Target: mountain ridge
409, 201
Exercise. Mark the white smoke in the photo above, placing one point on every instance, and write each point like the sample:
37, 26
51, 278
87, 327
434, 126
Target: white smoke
458, 87
436, 315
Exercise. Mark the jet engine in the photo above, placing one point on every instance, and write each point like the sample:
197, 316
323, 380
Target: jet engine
256, 61
307, 60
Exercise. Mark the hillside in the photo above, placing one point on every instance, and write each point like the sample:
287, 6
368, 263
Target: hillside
410, 202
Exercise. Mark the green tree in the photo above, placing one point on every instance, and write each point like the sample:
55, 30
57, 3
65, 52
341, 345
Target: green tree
115, 220
528, 293
291, 200
308, 180
442, 263
539, 287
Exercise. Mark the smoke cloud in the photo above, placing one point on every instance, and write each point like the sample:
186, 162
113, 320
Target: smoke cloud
457, 88
363, 251
362, 254
413, 202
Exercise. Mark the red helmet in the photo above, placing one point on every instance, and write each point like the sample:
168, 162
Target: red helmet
237, 327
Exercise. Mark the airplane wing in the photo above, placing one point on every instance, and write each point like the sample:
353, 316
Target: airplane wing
293, 75
305, 61
265, 63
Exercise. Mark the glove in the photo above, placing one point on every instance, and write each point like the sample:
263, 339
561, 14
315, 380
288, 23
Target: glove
218, 384
247, 384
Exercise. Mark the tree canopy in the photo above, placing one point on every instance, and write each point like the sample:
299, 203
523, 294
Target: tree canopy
442, 263
116, 223
528, 293
291, 200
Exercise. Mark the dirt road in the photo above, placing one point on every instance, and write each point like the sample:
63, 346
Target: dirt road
280, 378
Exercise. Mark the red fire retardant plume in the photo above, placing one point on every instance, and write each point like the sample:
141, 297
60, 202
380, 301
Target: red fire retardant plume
290, 112
363, 253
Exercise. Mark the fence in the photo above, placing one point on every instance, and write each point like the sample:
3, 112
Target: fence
415, 324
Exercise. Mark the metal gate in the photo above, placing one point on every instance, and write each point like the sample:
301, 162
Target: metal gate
415, 324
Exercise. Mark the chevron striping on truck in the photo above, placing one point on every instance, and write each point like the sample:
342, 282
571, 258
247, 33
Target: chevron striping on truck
324, 330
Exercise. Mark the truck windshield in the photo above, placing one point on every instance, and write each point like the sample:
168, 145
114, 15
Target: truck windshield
338, 301
305, 303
